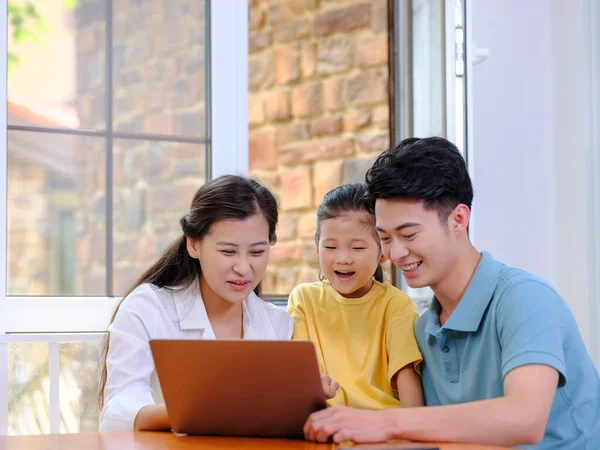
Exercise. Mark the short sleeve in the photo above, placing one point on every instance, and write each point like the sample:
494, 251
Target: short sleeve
530, 327
296, 311
400, 341
129, 364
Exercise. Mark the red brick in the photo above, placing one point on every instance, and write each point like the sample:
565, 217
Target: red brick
326, 176
294, 132
327, 125
296, 188
334, 93
311, 151
287, 63
342, 20
356, 119
368, 88
285, 252
308, 59
258, 41
257, 19
372, 51
381, 117
287, 226
277, 106
256, 113
335, 54
261, 150
307, 223
306, 100
370, 144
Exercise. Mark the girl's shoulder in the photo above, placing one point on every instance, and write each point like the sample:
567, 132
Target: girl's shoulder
395, 299
308, 288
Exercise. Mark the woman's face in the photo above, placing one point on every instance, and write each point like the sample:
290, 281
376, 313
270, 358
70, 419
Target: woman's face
233, 256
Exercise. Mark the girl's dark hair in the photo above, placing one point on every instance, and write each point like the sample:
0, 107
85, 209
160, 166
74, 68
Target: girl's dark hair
228, 197
429, 169
348, 198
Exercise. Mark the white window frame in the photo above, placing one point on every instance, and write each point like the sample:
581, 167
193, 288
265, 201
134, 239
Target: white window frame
229, 154
592, 151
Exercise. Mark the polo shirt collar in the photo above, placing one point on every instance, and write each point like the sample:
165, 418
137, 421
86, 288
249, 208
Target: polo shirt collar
470, 310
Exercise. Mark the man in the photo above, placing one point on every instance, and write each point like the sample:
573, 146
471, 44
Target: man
504, 362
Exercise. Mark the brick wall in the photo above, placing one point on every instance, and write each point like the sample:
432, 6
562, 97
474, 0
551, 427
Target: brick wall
318, 112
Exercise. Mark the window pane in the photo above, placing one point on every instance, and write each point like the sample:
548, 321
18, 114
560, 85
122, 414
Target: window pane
428, 67
153, 185
56, 214
79, 386
159, 67
28, 389
318, 113
56, 63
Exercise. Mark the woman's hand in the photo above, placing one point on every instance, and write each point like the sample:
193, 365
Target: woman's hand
330, 387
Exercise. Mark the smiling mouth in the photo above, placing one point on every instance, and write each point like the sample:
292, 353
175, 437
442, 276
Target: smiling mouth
344, 274
410, 267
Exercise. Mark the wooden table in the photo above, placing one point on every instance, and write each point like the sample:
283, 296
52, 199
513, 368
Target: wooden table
145, 440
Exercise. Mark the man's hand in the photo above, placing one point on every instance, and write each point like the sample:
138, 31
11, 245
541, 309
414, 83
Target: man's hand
330, 387
349, 424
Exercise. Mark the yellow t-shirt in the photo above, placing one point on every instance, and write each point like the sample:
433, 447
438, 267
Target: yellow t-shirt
360, 342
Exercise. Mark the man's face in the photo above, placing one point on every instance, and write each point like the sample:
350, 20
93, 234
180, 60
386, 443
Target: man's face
415, 240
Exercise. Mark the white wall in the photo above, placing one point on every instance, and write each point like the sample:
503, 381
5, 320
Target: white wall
531, 124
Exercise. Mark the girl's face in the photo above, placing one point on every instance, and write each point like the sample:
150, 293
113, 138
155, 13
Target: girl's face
349, 253
233, 257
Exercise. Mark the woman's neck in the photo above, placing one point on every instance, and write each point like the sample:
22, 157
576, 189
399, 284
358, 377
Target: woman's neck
219, 310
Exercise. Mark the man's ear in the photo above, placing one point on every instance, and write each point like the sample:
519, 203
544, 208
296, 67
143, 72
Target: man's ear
459, 218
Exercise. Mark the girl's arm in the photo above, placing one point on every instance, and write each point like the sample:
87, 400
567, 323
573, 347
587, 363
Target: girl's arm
410, 392
152, 418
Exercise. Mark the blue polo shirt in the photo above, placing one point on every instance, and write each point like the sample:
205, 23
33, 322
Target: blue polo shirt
509, 318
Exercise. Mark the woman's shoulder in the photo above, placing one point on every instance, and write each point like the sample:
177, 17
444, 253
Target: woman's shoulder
278, 317
147, 298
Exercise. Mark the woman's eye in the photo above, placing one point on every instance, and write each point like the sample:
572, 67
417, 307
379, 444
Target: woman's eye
384, 239
257, 253
227, 252
409, 236
358, 248
330, 248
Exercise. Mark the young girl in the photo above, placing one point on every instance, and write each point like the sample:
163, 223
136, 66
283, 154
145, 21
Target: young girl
363, 330
205, 286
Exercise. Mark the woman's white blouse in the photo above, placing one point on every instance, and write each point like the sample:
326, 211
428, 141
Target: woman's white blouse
150, 312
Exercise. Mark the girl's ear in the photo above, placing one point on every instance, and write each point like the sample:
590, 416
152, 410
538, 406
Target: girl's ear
191, 248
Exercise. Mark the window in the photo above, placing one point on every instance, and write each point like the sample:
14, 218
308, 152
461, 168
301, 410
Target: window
111, 109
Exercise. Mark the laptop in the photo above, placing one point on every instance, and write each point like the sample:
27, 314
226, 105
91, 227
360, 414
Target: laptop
238, 387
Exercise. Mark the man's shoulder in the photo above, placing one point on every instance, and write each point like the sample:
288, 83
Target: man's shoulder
514, 283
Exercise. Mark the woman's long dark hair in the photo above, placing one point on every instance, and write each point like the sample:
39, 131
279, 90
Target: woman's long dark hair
348, 198
225, 198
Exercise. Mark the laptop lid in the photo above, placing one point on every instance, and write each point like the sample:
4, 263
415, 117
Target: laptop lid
238, 387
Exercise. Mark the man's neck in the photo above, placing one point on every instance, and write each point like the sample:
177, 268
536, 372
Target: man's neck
452, 287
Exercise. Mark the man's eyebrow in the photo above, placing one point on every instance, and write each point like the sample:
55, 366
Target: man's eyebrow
400, 227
